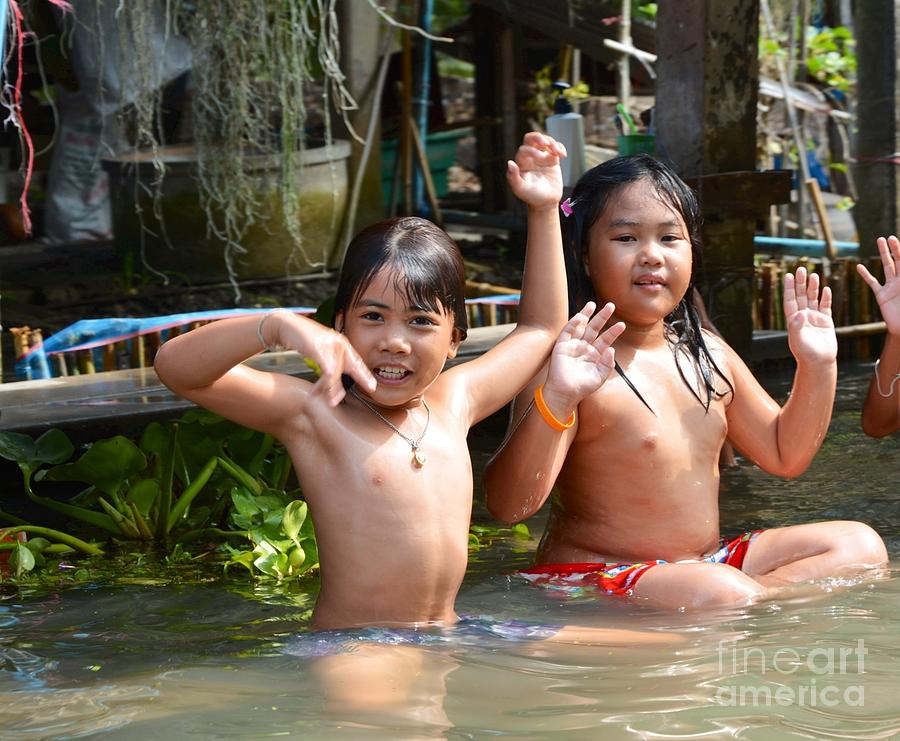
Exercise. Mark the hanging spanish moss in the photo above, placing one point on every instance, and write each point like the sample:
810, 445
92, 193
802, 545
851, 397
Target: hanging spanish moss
253, 66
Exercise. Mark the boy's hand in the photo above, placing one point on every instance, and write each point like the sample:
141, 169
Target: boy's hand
330, 351
535, 176
581, 360
887, 295
810, 328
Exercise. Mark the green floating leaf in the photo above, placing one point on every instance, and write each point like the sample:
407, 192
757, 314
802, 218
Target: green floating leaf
50, 448
107, 464
241, 558
155, 439
293, 519
521, 531
143, 494
53, 447
37, 545
22, 559
16, 447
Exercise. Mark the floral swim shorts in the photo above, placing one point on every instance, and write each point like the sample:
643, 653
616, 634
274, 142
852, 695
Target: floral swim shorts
621, 578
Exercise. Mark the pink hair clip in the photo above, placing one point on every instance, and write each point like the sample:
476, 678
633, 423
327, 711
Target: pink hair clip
566, 207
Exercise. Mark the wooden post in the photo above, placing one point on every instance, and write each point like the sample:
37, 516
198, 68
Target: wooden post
706, 94
877, 211
496, 107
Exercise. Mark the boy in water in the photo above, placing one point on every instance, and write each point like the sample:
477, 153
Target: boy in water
632, 437
384, 464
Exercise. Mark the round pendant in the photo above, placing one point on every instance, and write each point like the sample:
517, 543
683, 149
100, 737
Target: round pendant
419, 457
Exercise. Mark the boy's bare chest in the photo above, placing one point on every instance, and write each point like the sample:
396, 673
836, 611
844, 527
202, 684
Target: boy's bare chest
414, 465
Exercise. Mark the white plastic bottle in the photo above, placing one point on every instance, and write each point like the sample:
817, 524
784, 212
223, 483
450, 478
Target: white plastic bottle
567, 127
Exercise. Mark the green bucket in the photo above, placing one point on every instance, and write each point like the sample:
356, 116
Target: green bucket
636, 143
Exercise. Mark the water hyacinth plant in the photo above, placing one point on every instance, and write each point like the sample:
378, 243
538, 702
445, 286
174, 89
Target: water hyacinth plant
198, 479
199, 482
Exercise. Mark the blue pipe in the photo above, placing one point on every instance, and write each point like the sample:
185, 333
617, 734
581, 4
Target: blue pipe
806, 246
424, 90
4, 10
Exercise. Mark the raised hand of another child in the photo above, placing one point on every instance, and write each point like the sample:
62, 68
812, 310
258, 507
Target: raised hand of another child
887, 295
535, 176
582, 358
807, 315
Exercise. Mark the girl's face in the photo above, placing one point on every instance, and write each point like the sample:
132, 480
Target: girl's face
404, 346
639, 255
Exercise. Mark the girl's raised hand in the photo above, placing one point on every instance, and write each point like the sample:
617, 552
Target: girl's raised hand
807, 315
887, 295
535, 176
582, 358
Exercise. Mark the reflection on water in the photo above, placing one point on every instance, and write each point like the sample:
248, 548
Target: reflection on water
143, 661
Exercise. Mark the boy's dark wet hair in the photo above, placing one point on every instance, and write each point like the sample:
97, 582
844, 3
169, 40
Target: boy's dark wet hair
590, 198
426, 265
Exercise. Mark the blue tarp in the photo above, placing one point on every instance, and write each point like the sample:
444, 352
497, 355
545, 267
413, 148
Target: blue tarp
94, 334
88, 334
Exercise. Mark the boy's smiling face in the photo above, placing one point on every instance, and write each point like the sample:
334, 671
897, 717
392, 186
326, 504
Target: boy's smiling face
405, 346
640, 255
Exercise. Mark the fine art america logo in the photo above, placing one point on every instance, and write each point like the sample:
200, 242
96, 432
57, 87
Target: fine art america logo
824, 676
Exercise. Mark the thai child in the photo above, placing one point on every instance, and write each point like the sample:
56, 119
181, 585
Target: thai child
628, 423
378, 442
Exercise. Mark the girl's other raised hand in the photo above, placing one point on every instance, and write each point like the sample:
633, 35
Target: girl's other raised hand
807, 315
887, 295
535, 175
582, 357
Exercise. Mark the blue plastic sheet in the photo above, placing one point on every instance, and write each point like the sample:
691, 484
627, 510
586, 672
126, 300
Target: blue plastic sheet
95, 334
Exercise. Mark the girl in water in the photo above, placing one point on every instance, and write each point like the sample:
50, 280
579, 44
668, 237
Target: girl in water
631, 437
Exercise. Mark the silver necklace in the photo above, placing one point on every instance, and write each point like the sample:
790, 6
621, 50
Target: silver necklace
419, 457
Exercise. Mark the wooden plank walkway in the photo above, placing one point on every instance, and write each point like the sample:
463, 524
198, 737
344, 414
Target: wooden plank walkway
124, 402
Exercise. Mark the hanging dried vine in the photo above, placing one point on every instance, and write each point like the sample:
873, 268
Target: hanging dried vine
253, 66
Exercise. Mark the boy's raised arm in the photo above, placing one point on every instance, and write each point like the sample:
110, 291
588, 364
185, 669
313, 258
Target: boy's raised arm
881, 409
205, 366
783, 441
494, 378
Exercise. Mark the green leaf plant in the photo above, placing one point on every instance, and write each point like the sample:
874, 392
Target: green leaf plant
200, 478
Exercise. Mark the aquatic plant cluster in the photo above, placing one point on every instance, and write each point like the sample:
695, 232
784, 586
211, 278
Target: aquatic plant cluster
200, 484
200, 479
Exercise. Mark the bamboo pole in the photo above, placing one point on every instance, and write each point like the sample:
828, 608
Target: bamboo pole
812, 185
405, 131
422, 156
109, 357
623, 65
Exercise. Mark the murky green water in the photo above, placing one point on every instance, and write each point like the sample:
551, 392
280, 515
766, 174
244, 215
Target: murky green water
134, 661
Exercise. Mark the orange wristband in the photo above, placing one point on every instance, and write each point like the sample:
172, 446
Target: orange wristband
548, 416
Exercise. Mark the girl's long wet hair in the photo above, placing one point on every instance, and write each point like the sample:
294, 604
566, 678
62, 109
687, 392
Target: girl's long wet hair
424, 262
590, 198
